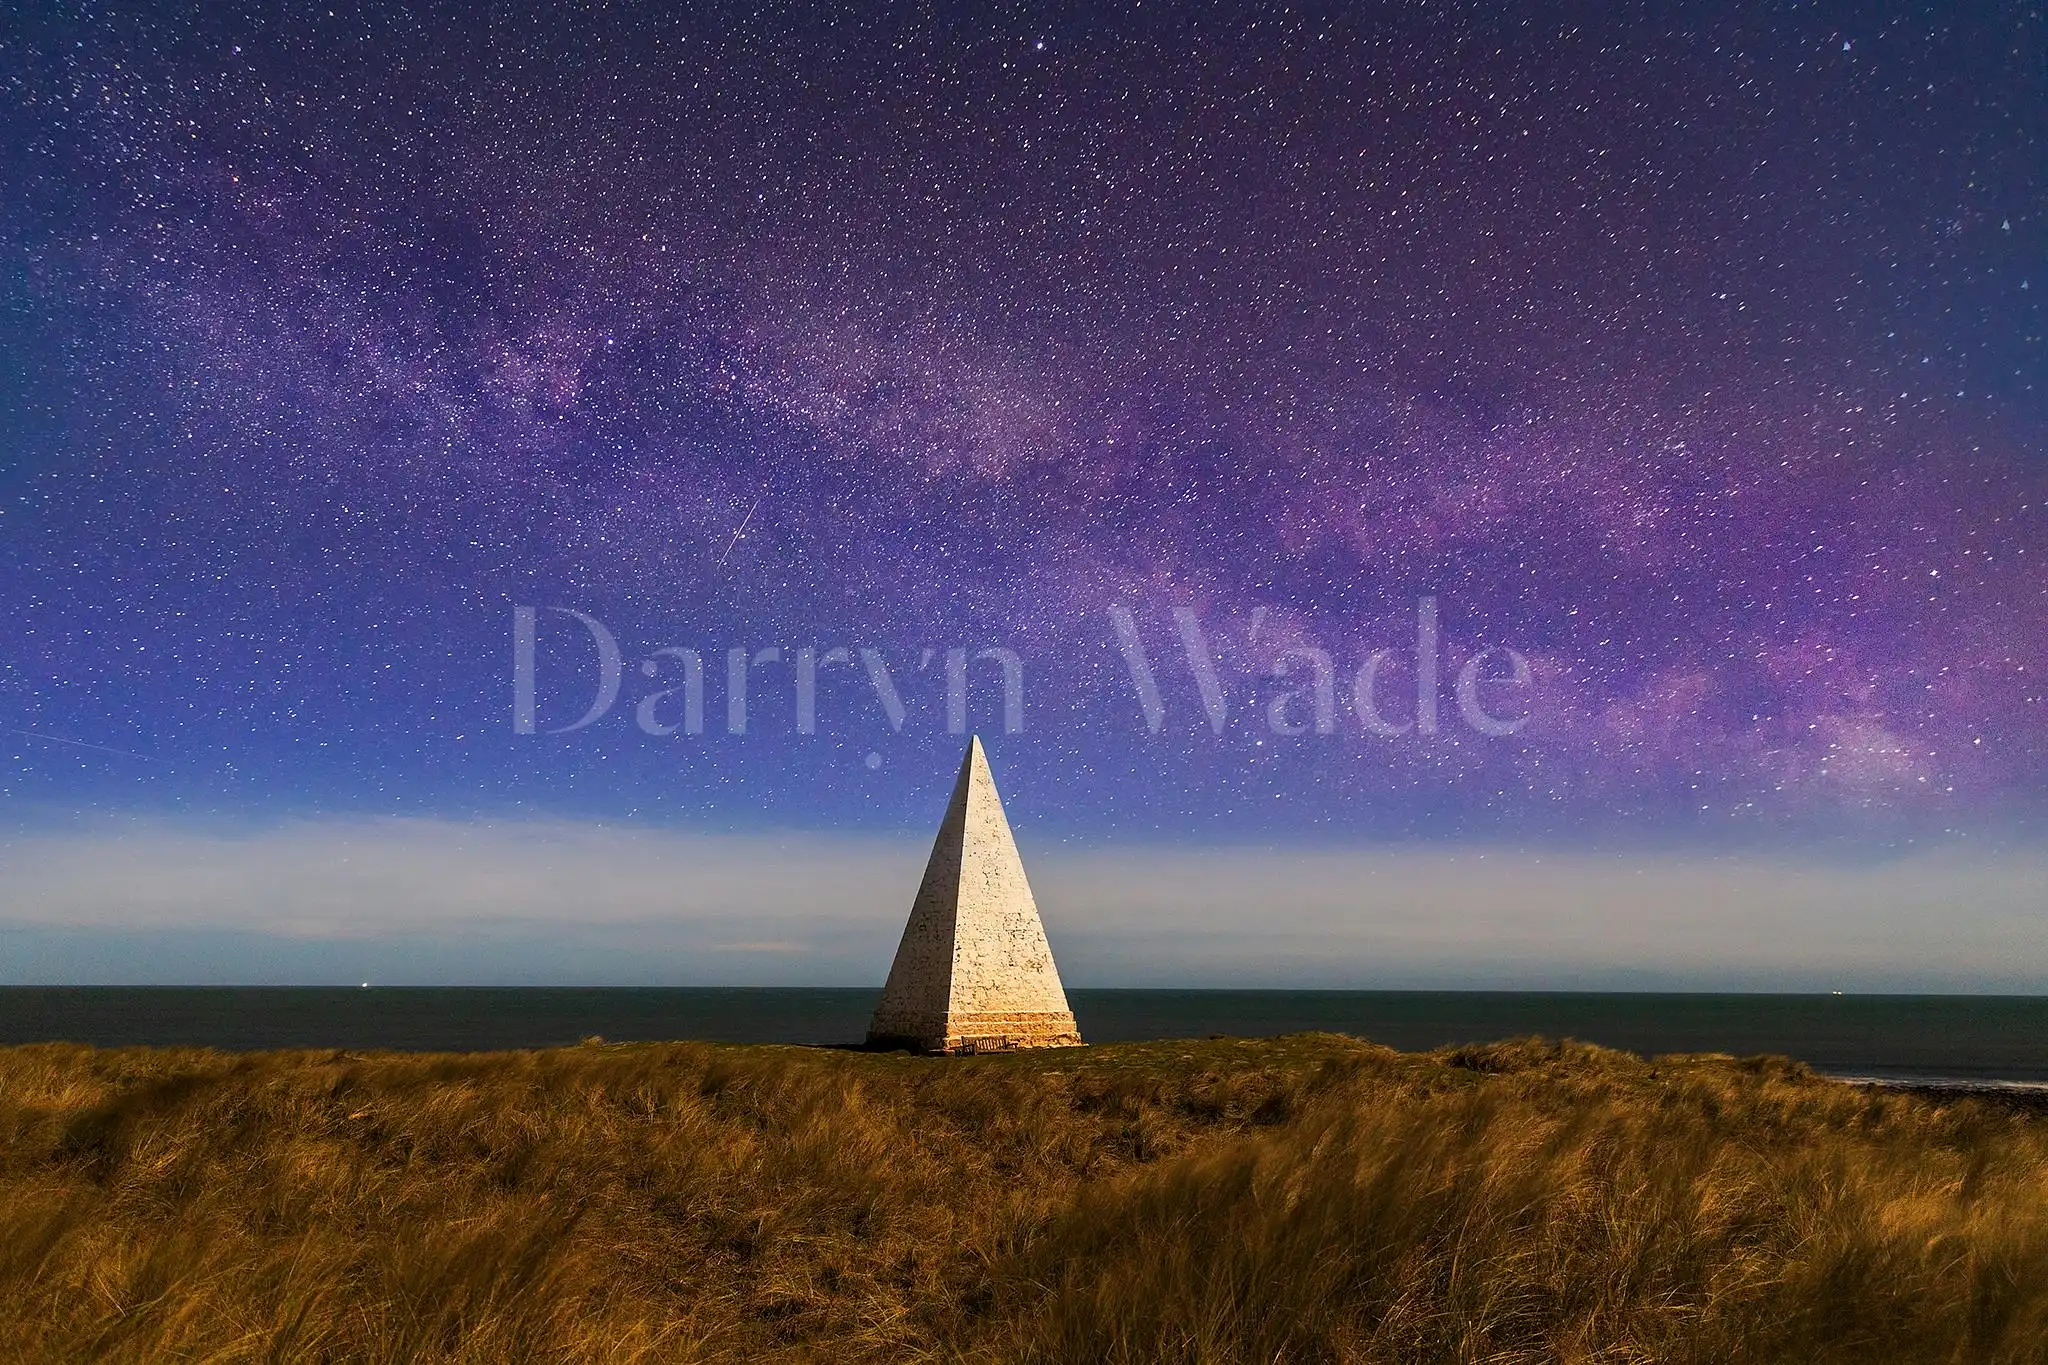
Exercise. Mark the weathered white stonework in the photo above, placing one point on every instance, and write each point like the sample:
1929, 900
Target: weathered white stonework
974, 972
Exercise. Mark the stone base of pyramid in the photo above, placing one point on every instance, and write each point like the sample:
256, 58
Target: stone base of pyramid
965, 1033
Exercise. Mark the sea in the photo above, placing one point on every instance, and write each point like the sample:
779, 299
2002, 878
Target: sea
1976, 1040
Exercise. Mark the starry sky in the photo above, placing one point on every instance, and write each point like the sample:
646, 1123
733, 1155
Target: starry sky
1692, 352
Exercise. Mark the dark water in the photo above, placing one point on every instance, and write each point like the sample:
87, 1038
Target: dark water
1964, 1038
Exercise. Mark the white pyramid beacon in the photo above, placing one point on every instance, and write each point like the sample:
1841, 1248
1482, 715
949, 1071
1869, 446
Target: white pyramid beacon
974, 972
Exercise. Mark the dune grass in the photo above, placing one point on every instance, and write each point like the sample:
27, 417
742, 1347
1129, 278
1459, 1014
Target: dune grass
1292, 1200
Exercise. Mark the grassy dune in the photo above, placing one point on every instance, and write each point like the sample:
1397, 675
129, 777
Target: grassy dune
1295, 1200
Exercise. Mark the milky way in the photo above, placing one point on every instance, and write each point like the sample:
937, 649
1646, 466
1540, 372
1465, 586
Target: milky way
1694, 353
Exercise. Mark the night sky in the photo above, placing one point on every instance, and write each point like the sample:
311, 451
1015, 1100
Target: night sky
1693, 352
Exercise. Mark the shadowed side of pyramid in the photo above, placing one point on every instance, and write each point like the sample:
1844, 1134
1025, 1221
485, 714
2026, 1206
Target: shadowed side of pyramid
973, 972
